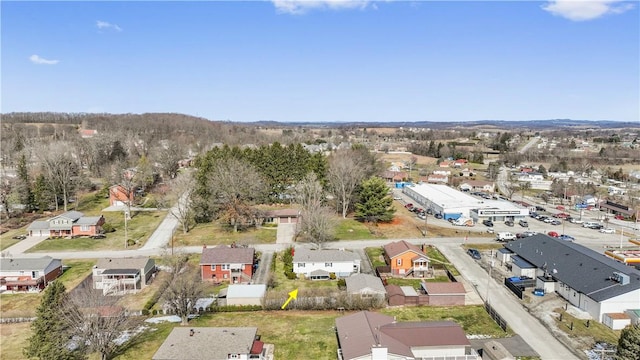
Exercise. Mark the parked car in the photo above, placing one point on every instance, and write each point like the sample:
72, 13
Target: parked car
566, 237
523, 223
98, 236
607, 231
596, 226
575, 221
549, 220
508, 223
560, 207
540, 208
19, 237
553, 234
490, 230
474, 253
409, 206
555, 222
529, 233
505, 236
619, 217
429, 211
488, 222
438, 216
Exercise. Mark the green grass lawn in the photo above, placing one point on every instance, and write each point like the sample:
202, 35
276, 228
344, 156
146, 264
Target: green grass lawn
596, 332
6, 242
375, 256
284, 284
25, 304
139, 228
92, 203
349, 229
215, 234
434, 254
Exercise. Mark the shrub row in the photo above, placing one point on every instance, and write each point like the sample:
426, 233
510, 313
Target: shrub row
287, 260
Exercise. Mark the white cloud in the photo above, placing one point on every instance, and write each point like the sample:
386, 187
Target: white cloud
42, 61
302, 6
582, 10
103, 25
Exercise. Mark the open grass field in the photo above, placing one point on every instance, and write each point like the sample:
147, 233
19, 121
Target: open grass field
13, 338
139, 228
350, 229
216, 234
586, 336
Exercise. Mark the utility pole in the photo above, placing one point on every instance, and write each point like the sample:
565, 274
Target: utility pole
126, 217
489, 278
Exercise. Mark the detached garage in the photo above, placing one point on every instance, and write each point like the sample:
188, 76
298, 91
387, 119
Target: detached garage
239, 294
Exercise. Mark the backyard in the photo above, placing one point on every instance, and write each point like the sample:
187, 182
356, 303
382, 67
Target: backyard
215, 234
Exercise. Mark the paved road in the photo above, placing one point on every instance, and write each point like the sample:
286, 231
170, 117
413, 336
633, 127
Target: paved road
528, 327
526, 147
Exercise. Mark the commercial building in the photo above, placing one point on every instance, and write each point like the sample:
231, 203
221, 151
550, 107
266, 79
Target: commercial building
453, 204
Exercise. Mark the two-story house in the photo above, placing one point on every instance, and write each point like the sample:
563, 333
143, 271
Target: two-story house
70, 223
321, 264
28, 274
227, 264
116, 276
406, 259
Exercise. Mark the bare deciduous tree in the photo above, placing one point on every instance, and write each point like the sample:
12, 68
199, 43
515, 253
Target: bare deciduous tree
344, 175
97, 322
182, 292
61, 169
183, 186
236, 186
168, 158
318, 224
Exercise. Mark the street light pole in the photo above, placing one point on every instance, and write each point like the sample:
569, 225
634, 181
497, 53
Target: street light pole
489, 279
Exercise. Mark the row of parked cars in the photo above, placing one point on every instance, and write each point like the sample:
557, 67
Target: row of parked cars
422, 213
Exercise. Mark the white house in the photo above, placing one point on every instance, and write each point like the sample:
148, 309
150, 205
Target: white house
322, 264
116, 276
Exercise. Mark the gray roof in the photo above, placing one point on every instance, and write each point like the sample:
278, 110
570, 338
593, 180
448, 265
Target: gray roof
306, 255
121, 272
88, 220
359, 282
124, 263
206, 343
581, 268
246, 291
73, 215
227, 255
521, 263
39, 225
25, 264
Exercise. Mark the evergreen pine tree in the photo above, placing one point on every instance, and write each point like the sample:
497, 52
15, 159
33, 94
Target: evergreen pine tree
629, 343
375, 203
50, 337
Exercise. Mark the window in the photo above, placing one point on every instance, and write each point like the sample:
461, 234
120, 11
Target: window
226, 276
224, 266
328, 264
399, 262
85, 227
35, 274
213, 268
300, 265
233, 356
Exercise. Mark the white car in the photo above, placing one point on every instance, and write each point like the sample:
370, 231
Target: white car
607, 231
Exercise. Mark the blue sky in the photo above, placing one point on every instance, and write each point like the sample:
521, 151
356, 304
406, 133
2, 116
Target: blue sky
325, 60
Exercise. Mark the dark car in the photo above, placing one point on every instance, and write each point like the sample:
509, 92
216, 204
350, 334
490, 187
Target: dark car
508, 223
438, 216
487, 222
474, 253
523, 223
540, 208
98, 236
20, 237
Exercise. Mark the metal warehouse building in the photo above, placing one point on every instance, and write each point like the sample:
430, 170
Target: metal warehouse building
453, 204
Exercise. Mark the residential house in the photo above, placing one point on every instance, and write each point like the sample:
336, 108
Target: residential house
585, 278
437, 179
227, 264
243, 294
366, 286
282, 216
459, 163
207, 343
530, 176
406, 259
119, 196
442, 172
70, 223
321, 264
466, 172
116, 276
478, 185
368, 335
395, 176
26, 274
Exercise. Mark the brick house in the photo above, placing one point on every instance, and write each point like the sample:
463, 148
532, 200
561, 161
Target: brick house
405, 259
70, 223
118, 196
227, 264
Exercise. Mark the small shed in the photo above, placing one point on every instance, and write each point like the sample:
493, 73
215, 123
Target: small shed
616, 321
242, 294
504, 255
366, 286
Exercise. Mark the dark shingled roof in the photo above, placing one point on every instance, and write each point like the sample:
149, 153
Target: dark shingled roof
227, 255
579, 267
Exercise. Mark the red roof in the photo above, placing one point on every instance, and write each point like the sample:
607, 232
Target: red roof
257, 346
396, 248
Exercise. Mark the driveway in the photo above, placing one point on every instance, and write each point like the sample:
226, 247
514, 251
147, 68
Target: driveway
285, 233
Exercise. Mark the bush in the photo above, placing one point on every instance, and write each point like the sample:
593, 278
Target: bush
290, 275
108, 228
145, 312
332, 276
342, 283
